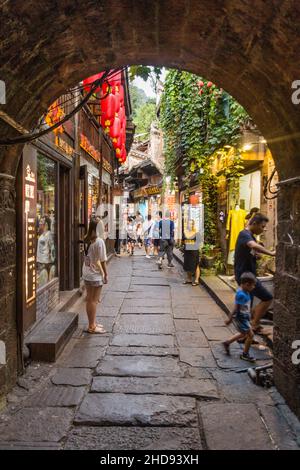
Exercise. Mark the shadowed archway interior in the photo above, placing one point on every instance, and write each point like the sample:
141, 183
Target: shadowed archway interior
249, 48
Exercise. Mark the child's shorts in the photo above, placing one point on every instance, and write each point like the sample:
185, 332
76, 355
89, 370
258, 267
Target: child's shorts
242, 322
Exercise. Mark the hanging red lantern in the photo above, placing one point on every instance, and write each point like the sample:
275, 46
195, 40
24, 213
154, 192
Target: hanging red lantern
121, 113
105, 122
200, 83
115, 78
118, 152
209, 84
108, 106
87, 82
121, 91
115, 128
105, 89
117, 101
117, 142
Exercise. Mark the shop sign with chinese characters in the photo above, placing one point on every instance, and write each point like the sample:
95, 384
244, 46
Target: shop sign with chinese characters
30, 235
88, 148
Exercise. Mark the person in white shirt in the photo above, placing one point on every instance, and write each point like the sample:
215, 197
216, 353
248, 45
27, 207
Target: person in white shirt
148, 226
45, 247
94, 273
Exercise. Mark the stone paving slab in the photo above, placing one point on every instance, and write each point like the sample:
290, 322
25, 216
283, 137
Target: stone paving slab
107, 311
230, 426
206, 389
187, 325
141, 351
112, 301
84, 357
212, 320
74, 377
197, 357
163, 341
239, 388
30, 445
90, 340
139, 366
157, 291
216, 333
133, 438
144, 410
233, 361
278, 428
187, 291
146, 295
192, 339
148, 283
36, 425
147, 324
146, 302
146, 310
200, 308
149, 273
57, 396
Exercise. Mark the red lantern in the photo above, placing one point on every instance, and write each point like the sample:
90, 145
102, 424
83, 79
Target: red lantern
200, 83
209, 84
89, 80
118, 152
121, 113
115, 78
117, 142
108, 106
105, 122
115, 128
121, 91
117, 100
106, 88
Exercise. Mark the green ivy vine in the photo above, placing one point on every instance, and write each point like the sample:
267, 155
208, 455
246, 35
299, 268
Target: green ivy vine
198, 119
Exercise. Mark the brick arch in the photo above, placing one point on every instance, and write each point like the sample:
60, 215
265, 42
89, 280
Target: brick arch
248, 47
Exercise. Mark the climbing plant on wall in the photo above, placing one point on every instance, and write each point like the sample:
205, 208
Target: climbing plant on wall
199, 119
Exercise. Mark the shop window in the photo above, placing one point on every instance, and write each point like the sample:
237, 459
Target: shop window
93, 192
46, 222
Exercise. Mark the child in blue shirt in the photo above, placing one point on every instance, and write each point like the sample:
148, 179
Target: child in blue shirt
242, 316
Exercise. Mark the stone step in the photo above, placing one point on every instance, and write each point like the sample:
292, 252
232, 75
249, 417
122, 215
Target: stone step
48, 339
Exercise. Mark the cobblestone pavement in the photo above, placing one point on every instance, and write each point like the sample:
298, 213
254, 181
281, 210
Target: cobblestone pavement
158, 379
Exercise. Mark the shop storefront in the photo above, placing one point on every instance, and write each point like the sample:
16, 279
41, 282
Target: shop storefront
44, 231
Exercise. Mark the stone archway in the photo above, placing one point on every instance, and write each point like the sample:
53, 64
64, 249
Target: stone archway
250, 48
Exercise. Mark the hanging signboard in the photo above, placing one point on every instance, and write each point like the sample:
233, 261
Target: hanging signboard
27, 235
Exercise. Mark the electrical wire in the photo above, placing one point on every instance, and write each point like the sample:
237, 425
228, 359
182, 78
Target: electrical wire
267, 187
23, 139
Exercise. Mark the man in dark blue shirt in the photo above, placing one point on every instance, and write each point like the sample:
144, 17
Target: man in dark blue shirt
247, 250
166, 235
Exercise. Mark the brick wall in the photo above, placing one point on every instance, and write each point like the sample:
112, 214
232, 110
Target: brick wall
47, 299
287, 293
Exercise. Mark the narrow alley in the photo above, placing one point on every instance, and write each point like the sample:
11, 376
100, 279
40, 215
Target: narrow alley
157, 379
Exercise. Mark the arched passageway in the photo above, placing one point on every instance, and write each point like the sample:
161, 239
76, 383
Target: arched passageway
249, 48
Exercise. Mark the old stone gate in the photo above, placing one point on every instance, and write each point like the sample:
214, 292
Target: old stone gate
250, 48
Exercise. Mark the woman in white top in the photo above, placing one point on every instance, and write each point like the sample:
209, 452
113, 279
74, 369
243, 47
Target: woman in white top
94, 273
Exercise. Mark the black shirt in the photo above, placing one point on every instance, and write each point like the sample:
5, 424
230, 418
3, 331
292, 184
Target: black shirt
244, 258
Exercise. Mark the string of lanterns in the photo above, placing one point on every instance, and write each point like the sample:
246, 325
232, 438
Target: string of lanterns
113, 116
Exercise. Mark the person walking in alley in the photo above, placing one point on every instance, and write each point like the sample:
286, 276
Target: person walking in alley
191, 265
147, 234
131, 235
166, 234
155, 233
94, 273
247, 251
241, 313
